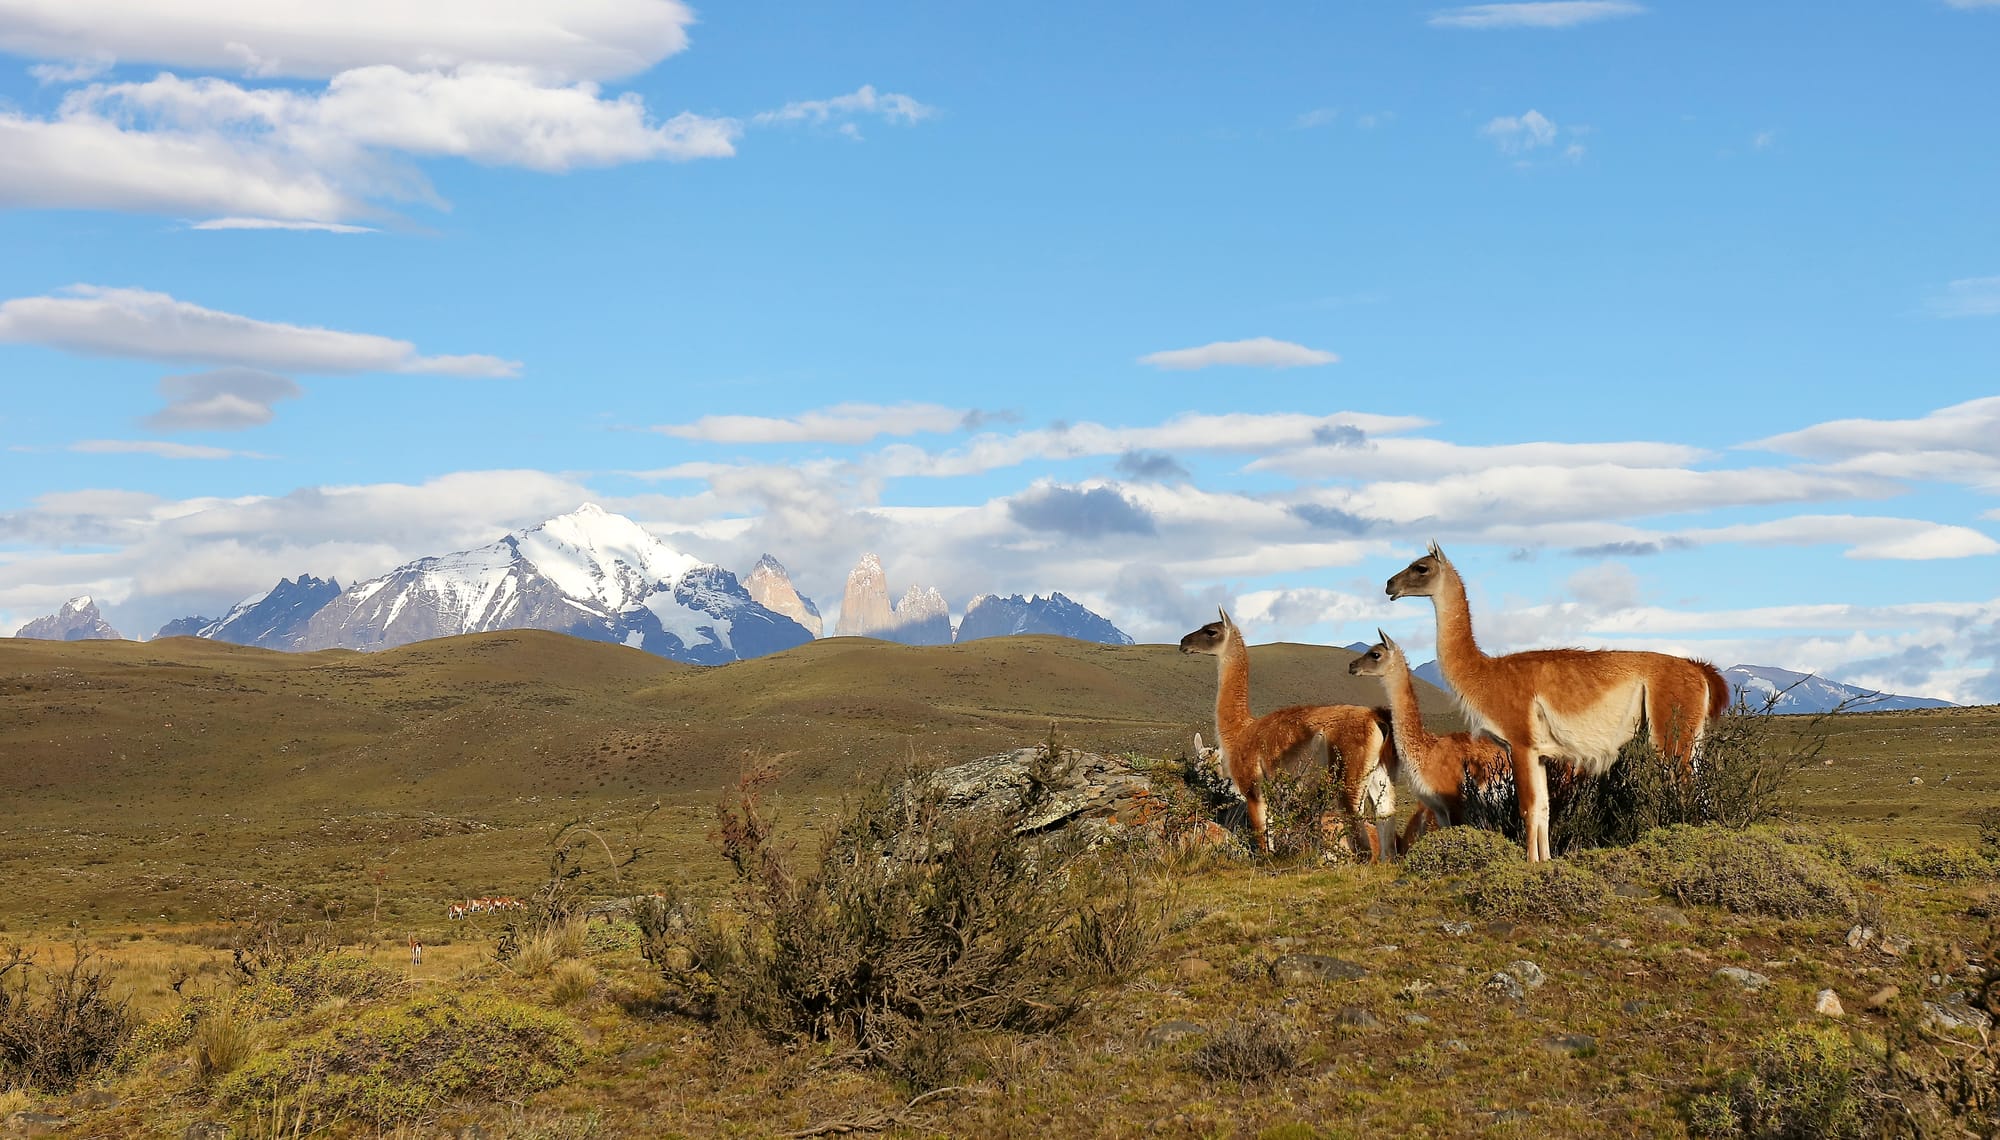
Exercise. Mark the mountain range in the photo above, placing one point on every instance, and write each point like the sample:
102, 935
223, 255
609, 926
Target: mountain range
78, 620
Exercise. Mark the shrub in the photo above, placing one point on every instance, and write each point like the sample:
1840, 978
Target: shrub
1749, 872
1306, 817
222, 1040
55, 1036
1456, 850
1942, 861
911, 921
1547, 892
1253, 1049
1110, 940
1806, 1083
571, 981
400, 1062
540, 951
300, 984
169, 1031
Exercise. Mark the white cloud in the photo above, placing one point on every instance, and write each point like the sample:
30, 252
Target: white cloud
1968, 297
279, 224
1515, 134
1317, 117
159, 448
227, 399
306, 39
1546, 14
890, 107
1257, 352
842, 423
1973, 3
1762, 140
73, 71
1865, 536
1958, 444
94, 320
1381, 458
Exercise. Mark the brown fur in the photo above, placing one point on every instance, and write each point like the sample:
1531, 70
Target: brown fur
1253, 747
1576, 706
1437, 766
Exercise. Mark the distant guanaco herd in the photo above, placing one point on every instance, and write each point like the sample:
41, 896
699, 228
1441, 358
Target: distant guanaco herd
1571, 707
469, 907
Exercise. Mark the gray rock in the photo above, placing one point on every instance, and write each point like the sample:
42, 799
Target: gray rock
97, 1098
1859, 936
1574, 1044
1636, 1008
1309, 969
1415, 1019
1953, 1013
1667, 916
35, 1123
1506, 986
1168, 1032
1456, 929
1457, 1046
1828, 1003
1894, 945
1529, 974
1748, 979
1355, 1017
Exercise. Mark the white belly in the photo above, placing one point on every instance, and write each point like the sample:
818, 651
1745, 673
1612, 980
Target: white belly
1589, 738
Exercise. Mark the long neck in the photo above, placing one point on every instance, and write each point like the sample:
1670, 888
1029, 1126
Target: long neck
1232, 687
1406, 720
1458, 653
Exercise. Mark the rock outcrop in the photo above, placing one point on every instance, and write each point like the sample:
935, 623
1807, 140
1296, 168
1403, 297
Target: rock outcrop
922, 618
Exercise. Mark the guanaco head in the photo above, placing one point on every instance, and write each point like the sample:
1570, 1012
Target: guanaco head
1211, 637
1379, 660
1422, 578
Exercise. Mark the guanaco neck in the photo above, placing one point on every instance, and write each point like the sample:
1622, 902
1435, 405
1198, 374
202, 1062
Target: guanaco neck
1458, 654
1232, 688
1406, 721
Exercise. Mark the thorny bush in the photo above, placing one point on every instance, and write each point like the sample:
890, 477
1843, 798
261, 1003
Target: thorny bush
55, 1035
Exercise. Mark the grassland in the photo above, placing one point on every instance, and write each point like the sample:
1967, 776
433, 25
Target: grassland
157, 792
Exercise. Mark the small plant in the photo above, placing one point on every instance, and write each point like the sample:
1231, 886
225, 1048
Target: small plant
571, 981
57, 1035
1306, 817
1806, 1083
1545, 892
222, 1040
1457, 850
1110, 940
1253, 1049
1749, 872
541, 951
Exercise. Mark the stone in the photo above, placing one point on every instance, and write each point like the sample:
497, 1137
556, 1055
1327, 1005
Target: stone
1636, 1007
1168, 1032
1635, 891
1667, 916
1501, 929
1529, 974
1748, 979
1506, 986
1574, 1044
1894, 945
97, 1098
1953, 1013
35, 1123
1456, 929
1190, 969
1914, 780
1355, 1017
1860, 936
1882, 997
1309, 969
1457, 1046
1827, 1002
1415, 1019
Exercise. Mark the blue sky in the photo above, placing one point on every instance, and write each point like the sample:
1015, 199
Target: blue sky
1676, 325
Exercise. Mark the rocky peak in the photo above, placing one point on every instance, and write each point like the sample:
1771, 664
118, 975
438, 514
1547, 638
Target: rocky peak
923, 618
78, 620
772, 587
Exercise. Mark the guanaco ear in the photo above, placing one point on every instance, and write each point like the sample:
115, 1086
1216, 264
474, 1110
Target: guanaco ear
1390, 645
1435, 552
1380, 637
1225, 617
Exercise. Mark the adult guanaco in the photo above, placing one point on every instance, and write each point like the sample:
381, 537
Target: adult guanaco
1436, 767
1253, 747
1577, 706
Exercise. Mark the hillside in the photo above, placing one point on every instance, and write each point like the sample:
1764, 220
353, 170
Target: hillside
214, 773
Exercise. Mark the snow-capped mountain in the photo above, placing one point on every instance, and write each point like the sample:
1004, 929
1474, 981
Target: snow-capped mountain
990, 615
274, 619
589, 573
772, 587
78, 620
1756, 685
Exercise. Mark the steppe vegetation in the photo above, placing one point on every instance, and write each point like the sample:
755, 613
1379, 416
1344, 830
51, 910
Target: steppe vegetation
801, 942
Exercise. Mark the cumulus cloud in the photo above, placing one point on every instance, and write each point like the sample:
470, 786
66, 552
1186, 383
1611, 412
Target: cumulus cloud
1956, 444
1257, 352
599, 39
95, 320
1080, 512
841, 423
227, 399
1544, 14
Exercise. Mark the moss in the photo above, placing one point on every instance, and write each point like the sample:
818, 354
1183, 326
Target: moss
1549, 892
398, 1062
1456, 850
1754, 871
